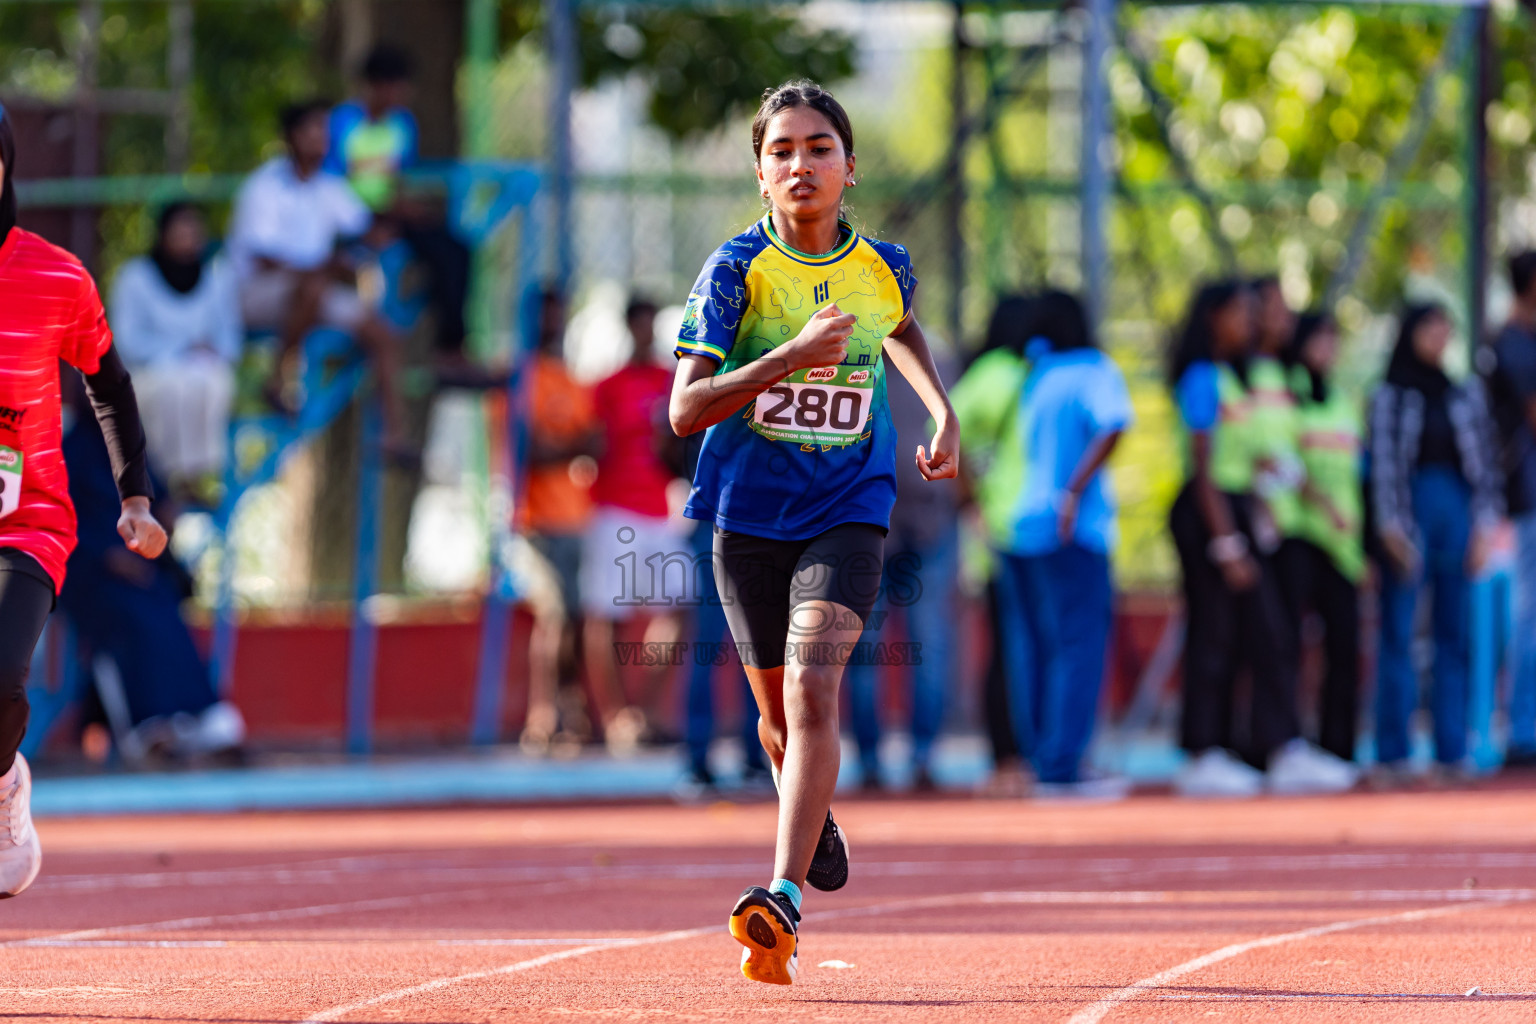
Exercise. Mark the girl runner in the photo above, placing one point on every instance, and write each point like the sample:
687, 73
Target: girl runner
49, 310
780, 362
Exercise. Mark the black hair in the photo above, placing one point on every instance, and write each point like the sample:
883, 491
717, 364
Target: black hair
170, 211
1195, 341
551, 300
1405, 369
386, 64
1061, 320
639, 304
1522, 271
1009, 326
295, 114
1307, 325
802, 92
1262, 281
7, 189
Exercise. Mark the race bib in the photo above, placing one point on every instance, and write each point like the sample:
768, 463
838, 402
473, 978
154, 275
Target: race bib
10, 481
810, 412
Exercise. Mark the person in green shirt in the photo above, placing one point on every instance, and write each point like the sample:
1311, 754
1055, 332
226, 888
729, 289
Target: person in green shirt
1325, 557
1278, 476
1236, 616
374, 143
986, 402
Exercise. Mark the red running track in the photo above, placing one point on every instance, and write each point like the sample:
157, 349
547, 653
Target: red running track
1359, 908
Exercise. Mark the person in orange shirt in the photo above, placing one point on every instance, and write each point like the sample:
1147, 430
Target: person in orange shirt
564, 437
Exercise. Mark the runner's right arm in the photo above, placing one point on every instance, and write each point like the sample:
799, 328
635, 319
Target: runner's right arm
701, 398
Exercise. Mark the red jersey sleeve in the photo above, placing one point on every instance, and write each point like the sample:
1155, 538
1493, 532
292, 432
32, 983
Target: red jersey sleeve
87, 337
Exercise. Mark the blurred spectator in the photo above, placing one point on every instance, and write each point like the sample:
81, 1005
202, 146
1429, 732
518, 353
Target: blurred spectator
922, 563
1436, 492
373, 142
1278, 477
128, 610
1063, 529
986, 401
1512, 393
291, 218
1236, 617
709, 636
631, 536
176, 321
1324, 559
556, 507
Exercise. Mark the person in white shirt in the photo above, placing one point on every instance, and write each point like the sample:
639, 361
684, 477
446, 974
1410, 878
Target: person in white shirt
176, 319
290, 219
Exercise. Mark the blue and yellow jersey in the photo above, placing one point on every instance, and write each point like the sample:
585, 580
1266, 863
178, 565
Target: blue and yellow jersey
818, 448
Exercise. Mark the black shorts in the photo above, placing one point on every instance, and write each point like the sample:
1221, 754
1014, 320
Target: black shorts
761, 582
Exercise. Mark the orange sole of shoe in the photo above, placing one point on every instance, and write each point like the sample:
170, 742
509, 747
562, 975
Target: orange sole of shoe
769, 947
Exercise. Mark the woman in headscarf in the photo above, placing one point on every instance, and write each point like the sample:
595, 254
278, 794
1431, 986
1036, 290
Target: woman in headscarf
1435, 493
49, 310
177, 322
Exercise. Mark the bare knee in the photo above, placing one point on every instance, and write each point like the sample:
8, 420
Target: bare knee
774, 736
810, 697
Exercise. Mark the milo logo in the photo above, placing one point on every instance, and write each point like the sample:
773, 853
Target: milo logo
858, 376
821, 373
8, 458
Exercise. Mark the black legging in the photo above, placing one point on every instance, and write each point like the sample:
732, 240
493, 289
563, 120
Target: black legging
1227, 632
26, 599
1309, 579
1005, 747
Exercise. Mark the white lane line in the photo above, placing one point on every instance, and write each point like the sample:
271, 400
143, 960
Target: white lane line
226, 943
337, 1012
1302, 997
253, 917
129, 943
597, 941
920, 903
347, 869
89, 939
1096, 1012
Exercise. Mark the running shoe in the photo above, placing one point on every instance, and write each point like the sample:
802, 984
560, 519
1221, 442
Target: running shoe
829, 868
757, 780
1299, 768
696, 787
1218, 773
1090, 787
768, 927
21, 856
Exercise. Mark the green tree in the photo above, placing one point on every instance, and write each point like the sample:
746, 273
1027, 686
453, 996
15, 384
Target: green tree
706, 67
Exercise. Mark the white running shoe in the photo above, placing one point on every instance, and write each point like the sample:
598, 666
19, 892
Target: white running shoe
1091, 788
1299, 768
1218, 773
21, 856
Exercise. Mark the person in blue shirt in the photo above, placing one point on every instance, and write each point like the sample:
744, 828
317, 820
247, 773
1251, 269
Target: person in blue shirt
781, 362
1074, 408
374, 141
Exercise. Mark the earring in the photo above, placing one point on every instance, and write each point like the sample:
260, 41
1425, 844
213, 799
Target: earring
851, 183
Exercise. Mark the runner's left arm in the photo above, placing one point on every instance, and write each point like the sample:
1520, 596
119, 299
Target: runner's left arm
908, 349
110, 391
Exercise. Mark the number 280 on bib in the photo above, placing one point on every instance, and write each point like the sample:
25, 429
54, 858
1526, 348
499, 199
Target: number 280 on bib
812, 413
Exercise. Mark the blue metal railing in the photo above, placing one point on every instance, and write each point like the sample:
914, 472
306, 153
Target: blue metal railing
482, 195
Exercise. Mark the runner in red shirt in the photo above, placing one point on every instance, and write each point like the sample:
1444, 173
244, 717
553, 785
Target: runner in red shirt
49, 310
